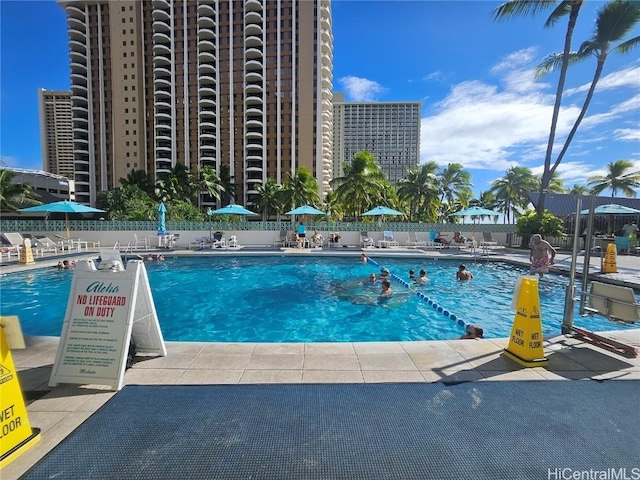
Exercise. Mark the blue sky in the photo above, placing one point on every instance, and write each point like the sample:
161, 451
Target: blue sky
481, 105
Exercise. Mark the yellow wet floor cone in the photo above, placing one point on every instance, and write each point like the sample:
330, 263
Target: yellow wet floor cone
26, 253
610, 259
525, 344
16, 434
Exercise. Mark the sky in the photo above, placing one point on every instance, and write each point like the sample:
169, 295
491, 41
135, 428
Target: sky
481, 108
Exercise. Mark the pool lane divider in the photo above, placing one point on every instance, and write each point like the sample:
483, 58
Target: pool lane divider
432, 303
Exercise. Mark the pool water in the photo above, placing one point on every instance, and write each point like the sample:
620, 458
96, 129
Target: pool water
305, 299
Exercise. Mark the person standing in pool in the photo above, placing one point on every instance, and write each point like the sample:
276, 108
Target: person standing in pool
463, 273
302, 233
539, 256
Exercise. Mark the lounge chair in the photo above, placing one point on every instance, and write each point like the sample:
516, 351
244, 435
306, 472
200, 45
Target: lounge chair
140, 243
614, 302
14, 242
233, 242
413, 242
366, 240
334, 239
431, 243
388, 240
218, 240
281, 240
199, 243
488, 243
45, 244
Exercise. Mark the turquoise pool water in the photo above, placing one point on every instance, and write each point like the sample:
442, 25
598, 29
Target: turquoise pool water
304, 299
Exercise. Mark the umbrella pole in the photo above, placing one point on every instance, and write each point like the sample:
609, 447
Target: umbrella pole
66, 222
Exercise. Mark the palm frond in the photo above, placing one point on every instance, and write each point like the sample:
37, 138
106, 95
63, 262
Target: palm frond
516, 8
627, 46
564, 8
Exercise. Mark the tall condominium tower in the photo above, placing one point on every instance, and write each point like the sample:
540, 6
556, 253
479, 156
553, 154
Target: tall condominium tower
243, 83
388, 130
56, 131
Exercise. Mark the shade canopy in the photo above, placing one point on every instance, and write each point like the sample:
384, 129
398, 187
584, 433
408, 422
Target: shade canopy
233, 210
382, 211
65, 206
476, 212
611, 209
305, 210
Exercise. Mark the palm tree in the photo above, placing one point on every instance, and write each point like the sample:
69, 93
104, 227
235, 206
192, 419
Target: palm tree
332, 206
176, 185
511, 191
523, 7
209, 182
300, 189
362, 184
139, 178
453, 183
268, 200
578, 190
15, 195
614, 20
616, 180
556, 184
228, 187
419, 189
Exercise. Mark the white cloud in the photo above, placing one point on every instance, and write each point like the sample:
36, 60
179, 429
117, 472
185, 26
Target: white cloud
361, 89
628, 77
495, 126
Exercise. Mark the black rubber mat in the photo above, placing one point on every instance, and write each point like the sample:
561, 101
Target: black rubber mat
482, 430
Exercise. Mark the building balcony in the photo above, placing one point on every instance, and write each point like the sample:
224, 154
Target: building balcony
206, 33
253, 6
253, 42
76, 24
253, 111
206, 22
207, 81
252, 144
254, 135
254, 167
162, 92
206, 124
206, 10
206, 68
253, 17
79, 80
208, 101
77, 35
163, 113
207, 113
253, 100
81, 109
253, 87
254, 123
206, 57
253, 29
161, 26
78, 68
253, 53
161, 60
253, 66
161, 102
206, 45
207, 92
161, 49
208, 134
79, 90
254, 77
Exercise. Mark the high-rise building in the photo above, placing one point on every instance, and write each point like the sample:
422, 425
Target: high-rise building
243, 83
390, 131
56, 131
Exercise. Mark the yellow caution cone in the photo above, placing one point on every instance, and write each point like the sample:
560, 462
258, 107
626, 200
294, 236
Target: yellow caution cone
610, 259
525, 344
26, 254
16, 434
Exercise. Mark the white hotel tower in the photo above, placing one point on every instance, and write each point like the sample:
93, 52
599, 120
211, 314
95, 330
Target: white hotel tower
243, 83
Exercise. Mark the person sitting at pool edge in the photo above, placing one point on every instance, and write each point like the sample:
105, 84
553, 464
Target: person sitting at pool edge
474, 332
463, 273
440, 239
317, 239
459, 238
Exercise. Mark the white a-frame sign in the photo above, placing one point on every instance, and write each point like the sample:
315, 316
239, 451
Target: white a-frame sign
107, 307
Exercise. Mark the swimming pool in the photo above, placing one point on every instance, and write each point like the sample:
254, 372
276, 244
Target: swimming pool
303, 299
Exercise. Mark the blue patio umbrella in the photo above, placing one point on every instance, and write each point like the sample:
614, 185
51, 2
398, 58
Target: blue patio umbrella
305, 210
232, 210
64, 206
611, 209
162, 227
382, 211
473, 213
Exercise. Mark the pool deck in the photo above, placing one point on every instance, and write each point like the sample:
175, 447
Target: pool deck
58, 411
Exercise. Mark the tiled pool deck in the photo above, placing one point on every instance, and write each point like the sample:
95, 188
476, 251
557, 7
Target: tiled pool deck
58, 411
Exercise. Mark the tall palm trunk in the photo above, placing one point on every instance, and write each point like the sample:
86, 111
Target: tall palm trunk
583, 112
548, 172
